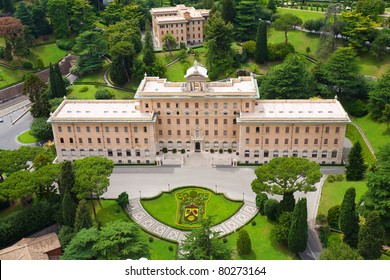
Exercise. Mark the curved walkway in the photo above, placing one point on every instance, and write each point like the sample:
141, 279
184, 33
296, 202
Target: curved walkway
150, 224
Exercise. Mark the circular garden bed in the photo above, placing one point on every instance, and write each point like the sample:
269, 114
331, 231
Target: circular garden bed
186, 207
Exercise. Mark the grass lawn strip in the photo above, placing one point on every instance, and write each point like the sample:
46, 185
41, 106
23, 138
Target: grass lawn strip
8, 76
376, 132
353, 134
164, 208
76, 92
302, 14
333, 193
47, 53
27, 138
263, 245
110, 211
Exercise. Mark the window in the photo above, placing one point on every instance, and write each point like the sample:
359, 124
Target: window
119, 153
108, 141
336, 141
215, 132
99, 140
267, 129
187, 132
78, 129
159, 121
257, 141
177, 105
215, 105
325, 141
225, 105
216, 144
109, 152
168, 121
307, 129
71, 140
257, 129
266, 141
59, 129
247, 105
187, 121
107, 129
177, 121
136, 140
287, 129
118, 140
248, 129
276, 153
145, 140
295, 153
276, 141
135, 129
206, 121
327, 129
247, 141
256, 153
127, 140
234, 121
317, 129
206, 105
234, 132
116, 129
89, 140
314, 154
168, 105
324, 154
234, 105
296, 141
315, 141
225, 121
145, 129
306, 141
337, 129
196, 105
246, 153
225, 133
158, 105
97, 129
178, 132
126, 129
128, 153
69, 129
286, 141
206, 132
285, 153
169, 132
304, 154
215, 121
196, 121
62, 140
266, 153
334, 154
297, 129
137, 153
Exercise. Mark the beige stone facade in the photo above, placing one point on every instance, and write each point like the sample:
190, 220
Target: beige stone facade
200, 116
186, 24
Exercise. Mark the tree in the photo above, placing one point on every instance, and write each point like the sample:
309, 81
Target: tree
272, 5
219, 36
370, 8
41, 129
91, 48
286, 23
261, 198
80, 247
123, 200
340, 251
289, 80
334, 217
41, 160
379, 96
169, 42
248, 12
83, 218
33, 87
313, 24
331, 28
103, 93
68, 209
228, 11
371, 237
40, 21
82, 17
119, 240
349, 220
148, 50
59, 17
244, 246
24, 14
56, 83
66, 177
379, 47
283, 228
43, 181
17, 186
122, 55
386, 116
12, 30
261, 51
377, 198
355, 168
204, 244
248, 48
128, 31
287, 204
286, 175
207, 4
271, 209
92, 177
297, 236
8, 6
65, 235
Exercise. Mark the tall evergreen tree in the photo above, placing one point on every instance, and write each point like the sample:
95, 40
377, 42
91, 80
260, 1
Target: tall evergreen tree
60, 81
287, 204
297, 236
272, 5
24, 14
68, 210
59, 17
371, 237
35, 89
261, 51
355, 168
66, 178
41, 107
8, 6
83, 218
228, 11
122, 56
148, 49
40, 20
56, 83
349, 220
248, 12
244, 245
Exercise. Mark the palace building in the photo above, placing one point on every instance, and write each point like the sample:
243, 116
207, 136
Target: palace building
200, 116
186, 24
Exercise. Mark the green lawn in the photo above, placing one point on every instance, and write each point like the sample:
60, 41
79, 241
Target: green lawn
96, 77
27, 138
353, 134
373, 67
47, 53
8, 76
333, 193
110, 211
164, 208
377, 133
166, 58
76, 92
300, 40
302, 14
264, 247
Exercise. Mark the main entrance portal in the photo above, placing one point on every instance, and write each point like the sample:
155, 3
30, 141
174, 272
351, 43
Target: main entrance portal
197, 146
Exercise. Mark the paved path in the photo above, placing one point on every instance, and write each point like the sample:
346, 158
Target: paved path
147, 222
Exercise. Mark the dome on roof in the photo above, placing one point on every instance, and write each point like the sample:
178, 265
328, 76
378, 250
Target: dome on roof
197, 69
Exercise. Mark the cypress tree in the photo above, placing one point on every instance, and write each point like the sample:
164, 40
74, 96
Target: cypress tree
68, 209
297, 236
83, 217
148, 49
24, 14
261, 52
8, 6
60, 82
271, 5
356, 168
287, 203
244, 246
52, 81
349, 221
371, 237
66, 179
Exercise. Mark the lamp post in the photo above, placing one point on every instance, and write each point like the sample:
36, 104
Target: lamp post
216, 188
243, 196
169, 187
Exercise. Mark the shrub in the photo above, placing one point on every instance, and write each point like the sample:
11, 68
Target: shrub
324, 232
229, 151
28, 65
123, 200
308, 50
253, 223
174, 151
244, 246
41, 129
282, 229
40, 64
220, 151
2, 52
261, 198
356, 108
65, 44
164, 150
4, 204
331, 178
84, 89
224, 240
183, 151
249, 48
339, 177
65, 235
151, 239
271, 209
170, 248
103, 93
321, 219
212, 151
334, 217
279, 51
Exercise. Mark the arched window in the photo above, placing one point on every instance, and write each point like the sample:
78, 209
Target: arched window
295, 153
207, 144
266, 153
276, 153
285, 153
247, 153
304, 154
216, 144
147, 153
334, 154
179, 144
82, 152
324, 154
188, 143
314, 154
234, 144
170, 144
161, 144
225, 144
256, 153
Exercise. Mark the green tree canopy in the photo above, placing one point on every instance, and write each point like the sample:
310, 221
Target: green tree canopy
244, 245
59, 17
371, 8
297, 236
169, 42
83, 218
349, 220
286, 175
128, 31
380, 96
285, 23
340, 251
68, 209
228, 10
80, 247
82, 17
371, 237
41, 129
356, 167
248, 12
261, 50
122, 55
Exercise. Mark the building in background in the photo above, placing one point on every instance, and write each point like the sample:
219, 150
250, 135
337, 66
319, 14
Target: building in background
200, 116
186, 24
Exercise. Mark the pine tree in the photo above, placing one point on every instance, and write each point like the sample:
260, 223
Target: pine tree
41, 107
371, 237
68, 210
297, 236
228, 11
349, 221
272, 5
261, 51
247, 19
148, 50
8, 6
24, 14
356, 168
83, 217
244, 246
